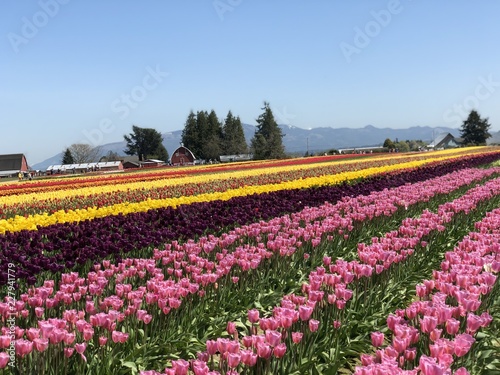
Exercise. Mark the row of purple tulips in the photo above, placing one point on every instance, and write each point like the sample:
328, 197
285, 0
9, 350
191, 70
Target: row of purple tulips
71, 246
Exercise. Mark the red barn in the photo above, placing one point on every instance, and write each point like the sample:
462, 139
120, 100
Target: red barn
12, 164
182, 156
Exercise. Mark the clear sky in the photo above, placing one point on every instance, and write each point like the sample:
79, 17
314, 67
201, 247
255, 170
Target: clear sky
76, 71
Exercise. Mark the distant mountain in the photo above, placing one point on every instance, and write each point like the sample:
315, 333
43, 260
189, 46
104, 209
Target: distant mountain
298, 140
494, 139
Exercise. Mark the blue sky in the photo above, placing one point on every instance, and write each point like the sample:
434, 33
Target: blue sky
76, 71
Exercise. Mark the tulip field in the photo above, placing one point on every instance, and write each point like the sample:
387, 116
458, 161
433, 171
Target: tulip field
346, 264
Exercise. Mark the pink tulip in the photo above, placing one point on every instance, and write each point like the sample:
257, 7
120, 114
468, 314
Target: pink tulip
223, 345
263, 350
57, 335
253, 316
23, 347
410, 354
340, 304
88, 333
377, 339
435, 334
463, 343
233, 346
211, 347
305, 312
297, 337
313, 325
429, 366
68, 352
273, 338
474, 322
200, 368
247, 341
452, 326
392, 320
233, 359
4, 359
428, 323
399, 344
41, 344
80, 348
4, 341
279, 350
248, 357
180, 366
366, 359
119, 337
445, 360
46, 328
231, 328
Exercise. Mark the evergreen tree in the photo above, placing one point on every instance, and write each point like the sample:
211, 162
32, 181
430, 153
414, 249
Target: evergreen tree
201, 133
212, 141
267, 141
190, 134
234, 142
474, 130
160, 153
68, 157
146, 143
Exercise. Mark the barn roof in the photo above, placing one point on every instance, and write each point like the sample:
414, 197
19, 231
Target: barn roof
11, 162
185, 148
443, 139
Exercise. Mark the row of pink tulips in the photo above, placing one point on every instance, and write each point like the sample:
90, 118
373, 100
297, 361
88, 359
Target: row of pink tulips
111, 311
326, 288
446, 330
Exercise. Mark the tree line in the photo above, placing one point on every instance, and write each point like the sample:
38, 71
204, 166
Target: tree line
208, 138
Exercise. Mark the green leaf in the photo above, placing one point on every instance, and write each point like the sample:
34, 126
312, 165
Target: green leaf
131, 365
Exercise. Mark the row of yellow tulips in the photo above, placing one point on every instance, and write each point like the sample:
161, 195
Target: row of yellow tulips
31, 222
75, 191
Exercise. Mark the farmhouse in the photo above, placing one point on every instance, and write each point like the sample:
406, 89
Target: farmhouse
12, 164
182, 156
